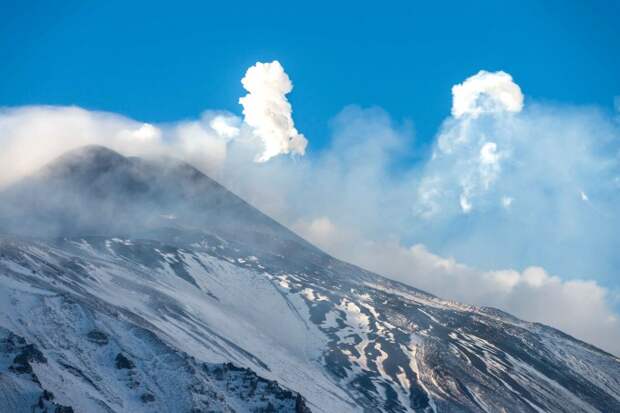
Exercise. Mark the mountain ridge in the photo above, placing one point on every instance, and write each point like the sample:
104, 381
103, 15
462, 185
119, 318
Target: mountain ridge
251, 293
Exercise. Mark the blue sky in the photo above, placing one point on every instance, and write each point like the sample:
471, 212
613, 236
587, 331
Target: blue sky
504, 192
155, 62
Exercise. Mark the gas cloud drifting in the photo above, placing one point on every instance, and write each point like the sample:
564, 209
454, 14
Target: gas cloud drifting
267, 111
514, 206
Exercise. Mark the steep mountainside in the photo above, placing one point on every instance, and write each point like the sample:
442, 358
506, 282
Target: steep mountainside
131, 285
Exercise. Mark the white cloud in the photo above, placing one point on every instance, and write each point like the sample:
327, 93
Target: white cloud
321, 231
464, 203
31, 136
34, 135
268, 112
486, 92
496, 192
542, 160
489, 167
225, 126
146, 133
465, 165
488, 154
507, 201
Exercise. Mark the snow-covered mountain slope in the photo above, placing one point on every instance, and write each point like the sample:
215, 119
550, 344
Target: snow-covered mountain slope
129, 285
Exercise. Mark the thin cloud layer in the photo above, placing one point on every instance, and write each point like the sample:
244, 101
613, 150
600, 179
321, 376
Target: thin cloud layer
507, 189
268, 112
31, 136
546, 182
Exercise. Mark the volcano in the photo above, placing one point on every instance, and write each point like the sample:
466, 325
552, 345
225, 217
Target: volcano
142, 285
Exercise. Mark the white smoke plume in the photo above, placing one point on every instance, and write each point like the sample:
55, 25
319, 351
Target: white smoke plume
486, 92
268, 112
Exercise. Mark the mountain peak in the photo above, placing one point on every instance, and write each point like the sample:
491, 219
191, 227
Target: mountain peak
96, 190
92, 150
90, 160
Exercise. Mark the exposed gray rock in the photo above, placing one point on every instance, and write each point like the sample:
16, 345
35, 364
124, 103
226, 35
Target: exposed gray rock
97, 337
122, 362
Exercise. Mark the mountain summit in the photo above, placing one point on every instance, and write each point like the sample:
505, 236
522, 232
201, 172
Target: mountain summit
135, 285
